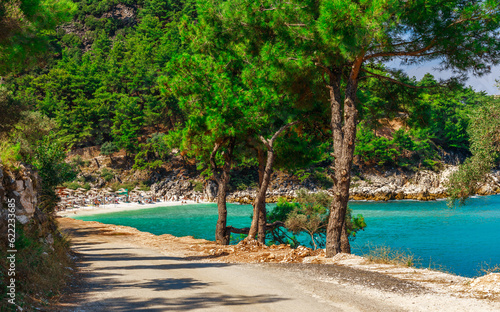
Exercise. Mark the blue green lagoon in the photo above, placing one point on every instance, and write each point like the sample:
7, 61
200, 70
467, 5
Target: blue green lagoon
462, 239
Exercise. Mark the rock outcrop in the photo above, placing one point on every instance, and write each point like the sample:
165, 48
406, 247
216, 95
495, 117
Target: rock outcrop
421, 185
391, 185
180, 184
20, 187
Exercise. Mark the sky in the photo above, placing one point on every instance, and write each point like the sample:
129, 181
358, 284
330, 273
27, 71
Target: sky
484, 83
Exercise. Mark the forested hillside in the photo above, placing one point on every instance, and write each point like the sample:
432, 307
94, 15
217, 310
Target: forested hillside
103, 84
240, 87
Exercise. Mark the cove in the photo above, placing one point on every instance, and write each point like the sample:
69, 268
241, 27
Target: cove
460, 239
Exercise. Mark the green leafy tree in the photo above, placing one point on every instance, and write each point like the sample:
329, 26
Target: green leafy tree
110, 92
343, 40
484, 131
233, 96
108, 149
309, 214
26, 27
11, 110
153, 153
211, 100
49, 160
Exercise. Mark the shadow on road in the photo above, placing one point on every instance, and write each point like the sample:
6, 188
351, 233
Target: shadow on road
113, 277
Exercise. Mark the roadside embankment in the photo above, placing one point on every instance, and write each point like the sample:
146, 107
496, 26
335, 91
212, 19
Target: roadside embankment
35, 262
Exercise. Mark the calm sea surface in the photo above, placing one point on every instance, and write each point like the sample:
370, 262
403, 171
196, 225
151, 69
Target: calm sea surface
461, 239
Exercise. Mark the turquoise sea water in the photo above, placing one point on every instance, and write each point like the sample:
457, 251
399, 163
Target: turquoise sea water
460, 239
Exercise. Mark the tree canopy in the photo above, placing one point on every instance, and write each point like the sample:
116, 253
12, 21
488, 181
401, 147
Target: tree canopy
26, 29
219, 80
344, 41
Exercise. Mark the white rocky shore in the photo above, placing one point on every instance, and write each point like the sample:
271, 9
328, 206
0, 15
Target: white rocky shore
421, 185
392, 184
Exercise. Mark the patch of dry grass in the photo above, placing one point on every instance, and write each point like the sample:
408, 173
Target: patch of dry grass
387, 255
42, 269
487, 268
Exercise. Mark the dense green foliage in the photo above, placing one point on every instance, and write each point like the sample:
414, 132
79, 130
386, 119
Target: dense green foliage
108, 90
49, 159
26, 29
429, 119
153, 153
108, 148
106, 87
307, 214
484, 131
151, 76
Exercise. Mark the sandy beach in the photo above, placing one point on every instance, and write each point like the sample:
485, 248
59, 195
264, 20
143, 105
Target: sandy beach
108, 208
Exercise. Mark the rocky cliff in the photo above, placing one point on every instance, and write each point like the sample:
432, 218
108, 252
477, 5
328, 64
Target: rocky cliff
21, 187
390, 185
177, 180
420, 185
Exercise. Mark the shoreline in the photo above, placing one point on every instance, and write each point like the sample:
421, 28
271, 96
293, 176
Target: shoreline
485, 288
110, 208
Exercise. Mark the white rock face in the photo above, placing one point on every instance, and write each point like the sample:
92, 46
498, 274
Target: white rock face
23, 219
422, 185
28, 198
393, 184
22, 190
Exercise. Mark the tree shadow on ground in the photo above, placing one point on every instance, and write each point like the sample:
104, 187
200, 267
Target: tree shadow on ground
187, 303
143, 291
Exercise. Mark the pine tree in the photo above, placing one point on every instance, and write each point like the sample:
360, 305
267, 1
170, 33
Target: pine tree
343, 42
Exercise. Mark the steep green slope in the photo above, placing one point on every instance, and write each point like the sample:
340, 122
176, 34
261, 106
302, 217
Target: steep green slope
103, 86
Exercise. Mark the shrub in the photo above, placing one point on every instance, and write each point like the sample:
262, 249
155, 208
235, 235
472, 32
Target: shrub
108, 148
153, 153
242, 182
107, 174
72, 185
77, 161
387, 255
42, 270
308, 214
49, 159
322, 178
144, 187
487, 268
127, 185
9, 154
197, 186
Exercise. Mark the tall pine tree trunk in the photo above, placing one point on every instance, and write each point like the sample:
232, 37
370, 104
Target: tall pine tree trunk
259, 220
260, 201
252, 233
344, 134
221, 234
345, 247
